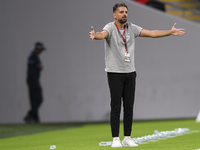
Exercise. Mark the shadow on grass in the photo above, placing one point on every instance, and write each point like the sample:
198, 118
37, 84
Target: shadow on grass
12, 130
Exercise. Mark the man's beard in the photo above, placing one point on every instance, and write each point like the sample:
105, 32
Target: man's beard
122, 21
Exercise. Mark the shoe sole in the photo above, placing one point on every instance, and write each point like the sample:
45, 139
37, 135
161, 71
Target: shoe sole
124, 145
117, 146
130, 146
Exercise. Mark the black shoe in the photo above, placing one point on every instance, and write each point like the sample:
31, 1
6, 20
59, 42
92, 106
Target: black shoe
29, 119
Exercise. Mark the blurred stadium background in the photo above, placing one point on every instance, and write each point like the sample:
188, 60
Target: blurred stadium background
74, 81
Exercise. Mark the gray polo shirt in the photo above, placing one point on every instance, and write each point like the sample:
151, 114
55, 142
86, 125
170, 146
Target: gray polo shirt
115, 48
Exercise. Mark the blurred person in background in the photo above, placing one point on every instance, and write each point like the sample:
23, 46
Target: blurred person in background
34, 68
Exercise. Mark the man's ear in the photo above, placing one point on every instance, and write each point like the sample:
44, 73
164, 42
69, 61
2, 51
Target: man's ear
114, 15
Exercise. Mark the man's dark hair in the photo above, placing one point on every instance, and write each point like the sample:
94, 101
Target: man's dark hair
119, 5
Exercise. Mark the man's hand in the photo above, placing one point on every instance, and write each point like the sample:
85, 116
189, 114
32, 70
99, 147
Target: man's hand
92, 33
177, 32
40, 67
98, 35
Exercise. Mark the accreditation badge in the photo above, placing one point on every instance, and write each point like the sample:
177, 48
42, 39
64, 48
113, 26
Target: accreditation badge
127, 57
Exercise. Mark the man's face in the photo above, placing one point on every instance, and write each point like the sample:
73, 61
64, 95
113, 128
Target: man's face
121, 14
38, 50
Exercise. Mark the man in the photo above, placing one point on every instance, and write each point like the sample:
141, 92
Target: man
35, 90
119, 38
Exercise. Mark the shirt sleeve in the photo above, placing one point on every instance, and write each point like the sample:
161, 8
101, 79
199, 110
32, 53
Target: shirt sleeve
108, 28
34, 60
136, 29
38, 62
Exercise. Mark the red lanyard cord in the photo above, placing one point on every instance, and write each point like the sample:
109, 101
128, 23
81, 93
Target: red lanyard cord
124, 39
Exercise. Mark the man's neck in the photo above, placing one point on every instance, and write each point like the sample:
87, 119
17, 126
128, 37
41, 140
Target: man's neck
119, 25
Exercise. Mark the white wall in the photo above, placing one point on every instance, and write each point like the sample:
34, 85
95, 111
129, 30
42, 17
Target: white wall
73, 80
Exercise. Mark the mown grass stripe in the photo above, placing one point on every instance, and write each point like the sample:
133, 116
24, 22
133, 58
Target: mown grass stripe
12, 130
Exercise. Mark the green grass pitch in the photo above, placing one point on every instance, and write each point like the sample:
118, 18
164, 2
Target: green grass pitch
87, 136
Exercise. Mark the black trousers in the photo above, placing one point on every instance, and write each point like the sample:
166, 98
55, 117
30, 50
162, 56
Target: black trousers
122, 88
35, 96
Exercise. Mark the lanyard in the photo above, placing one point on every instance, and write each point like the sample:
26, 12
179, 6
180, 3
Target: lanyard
124, 39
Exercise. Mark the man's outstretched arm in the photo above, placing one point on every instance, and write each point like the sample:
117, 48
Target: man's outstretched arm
98, 35
160, 33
